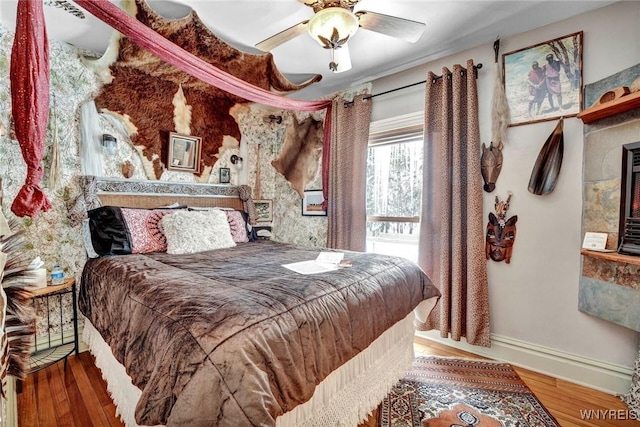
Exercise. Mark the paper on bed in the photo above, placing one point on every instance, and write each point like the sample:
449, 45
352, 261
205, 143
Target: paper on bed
310, 267
326, 261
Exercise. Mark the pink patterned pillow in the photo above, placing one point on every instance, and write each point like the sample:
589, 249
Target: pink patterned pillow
238, 226
145, 228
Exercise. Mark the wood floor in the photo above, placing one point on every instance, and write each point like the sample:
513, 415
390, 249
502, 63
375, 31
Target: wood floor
77, 396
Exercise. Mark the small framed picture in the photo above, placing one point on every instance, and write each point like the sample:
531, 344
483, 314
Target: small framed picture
312, 203
184, 153
225, 175
264, 208
544, 81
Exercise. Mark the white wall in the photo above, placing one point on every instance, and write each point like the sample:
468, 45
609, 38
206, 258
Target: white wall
534, 298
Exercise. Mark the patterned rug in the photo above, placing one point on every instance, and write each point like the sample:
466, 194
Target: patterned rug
440, 392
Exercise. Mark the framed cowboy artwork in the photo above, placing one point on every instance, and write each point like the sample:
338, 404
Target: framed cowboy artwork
544, 81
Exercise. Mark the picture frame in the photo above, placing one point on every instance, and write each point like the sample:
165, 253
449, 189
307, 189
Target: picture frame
225, 176
312, 203
544, 81
184, 153
264, 208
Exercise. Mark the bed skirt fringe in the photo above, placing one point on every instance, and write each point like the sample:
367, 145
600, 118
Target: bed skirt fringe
350, 394
344, 399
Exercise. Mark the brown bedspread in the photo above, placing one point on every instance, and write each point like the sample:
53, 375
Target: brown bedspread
232, 338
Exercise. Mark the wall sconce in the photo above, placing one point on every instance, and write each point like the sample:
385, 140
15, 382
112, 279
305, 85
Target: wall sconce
236, 160
109, 144
272, 119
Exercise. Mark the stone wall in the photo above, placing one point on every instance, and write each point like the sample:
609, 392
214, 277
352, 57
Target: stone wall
609, 288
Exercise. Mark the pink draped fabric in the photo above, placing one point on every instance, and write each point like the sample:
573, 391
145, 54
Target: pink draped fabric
29, 73
173, 54
169, 52
326, 154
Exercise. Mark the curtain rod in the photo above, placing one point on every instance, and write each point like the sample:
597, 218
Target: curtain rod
347, 103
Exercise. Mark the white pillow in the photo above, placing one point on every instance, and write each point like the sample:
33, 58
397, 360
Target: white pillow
189, 232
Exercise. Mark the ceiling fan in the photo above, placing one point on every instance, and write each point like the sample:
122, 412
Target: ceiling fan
66, 6
334, 23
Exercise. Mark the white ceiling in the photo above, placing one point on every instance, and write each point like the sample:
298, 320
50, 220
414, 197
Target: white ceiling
451, 26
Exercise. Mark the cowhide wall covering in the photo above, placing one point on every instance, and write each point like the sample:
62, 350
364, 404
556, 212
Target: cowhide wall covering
154, 98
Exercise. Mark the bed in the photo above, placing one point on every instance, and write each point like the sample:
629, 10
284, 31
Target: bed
230, 337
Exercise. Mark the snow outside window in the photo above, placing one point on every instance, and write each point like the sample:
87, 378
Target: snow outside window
394, 191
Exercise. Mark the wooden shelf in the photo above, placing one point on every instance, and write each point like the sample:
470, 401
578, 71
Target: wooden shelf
620, 105
612, 256
49, 289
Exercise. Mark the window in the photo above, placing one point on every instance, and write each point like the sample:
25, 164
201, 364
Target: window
394, 191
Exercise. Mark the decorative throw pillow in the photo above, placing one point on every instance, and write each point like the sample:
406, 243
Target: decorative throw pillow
145, 229
238, 226
196, 231
109, 234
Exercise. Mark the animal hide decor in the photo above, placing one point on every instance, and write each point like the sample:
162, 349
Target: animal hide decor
17, 316
501, 232
154, 98
299, 158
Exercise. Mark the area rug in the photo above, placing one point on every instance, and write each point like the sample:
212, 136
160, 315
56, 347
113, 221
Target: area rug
462, 392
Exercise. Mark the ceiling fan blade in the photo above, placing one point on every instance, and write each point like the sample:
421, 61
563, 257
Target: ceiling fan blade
283, 36
65, 5
401, 28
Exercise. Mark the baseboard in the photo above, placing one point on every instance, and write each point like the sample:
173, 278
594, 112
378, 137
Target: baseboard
10, 404
603, 376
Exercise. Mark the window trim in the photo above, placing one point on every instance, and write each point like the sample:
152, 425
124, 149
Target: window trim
380, 218
397, 123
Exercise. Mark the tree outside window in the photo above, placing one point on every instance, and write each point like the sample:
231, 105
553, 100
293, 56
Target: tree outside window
394, 191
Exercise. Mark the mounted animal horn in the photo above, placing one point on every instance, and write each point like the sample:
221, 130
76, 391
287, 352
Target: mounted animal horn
491, 165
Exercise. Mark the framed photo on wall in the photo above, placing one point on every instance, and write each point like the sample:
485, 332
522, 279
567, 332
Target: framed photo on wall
184, 153
312, 203
225, 175
264, 208
544, 81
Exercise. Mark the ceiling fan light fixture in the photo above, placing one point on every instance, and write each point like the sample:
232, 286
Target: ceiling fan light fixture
340, 59
332, 27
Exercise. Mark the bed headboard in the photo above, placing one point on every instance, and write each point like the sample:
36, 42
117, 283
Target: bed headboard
153, 194
151, 201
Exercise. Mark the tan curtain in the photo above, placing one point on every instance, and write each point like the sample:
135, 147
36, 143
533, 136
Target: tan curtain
346, 210
452, 232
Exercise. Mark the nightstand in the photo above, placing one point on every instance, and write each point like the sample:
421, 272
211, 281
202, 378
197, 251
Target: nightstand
263, 231
51, 348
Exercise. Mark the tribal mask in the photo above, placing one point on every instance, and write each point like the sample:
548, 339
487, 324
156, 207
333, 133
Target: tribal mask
491, 165
500, 237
